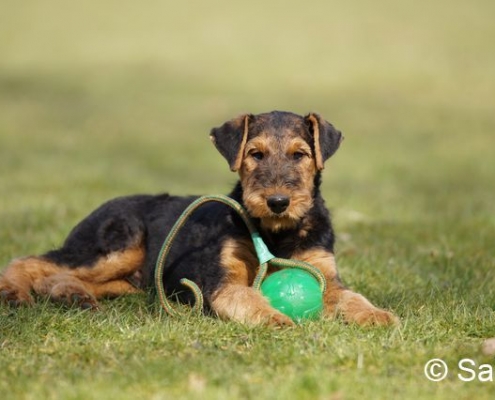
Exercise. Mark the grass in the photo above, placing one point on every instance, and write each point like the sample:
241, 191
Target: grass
107, 98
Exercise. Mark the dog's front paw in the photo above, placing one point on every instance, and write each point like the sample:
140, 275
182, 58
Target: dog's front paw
246, 305
278, 320
373, 317
358, 310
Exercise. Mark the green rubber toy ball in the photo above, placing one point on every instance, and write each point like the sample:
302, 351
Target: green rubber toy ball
295, 293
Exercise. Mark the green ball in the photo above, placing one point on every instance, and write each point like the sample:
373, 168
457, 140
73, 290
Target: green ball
295, 293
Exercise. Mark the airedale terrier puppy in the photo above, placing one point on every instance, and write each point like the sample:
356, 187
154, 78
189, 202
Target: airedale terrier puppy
279, 157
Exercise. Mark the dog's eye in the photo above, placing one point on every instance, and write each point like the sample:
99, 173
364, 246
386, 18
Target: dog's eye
297, 155
257, 155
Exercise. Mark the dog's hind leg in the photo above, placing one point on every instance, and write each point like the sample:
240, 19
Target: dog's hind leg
100, 258
110, 276
21, 276
66, 289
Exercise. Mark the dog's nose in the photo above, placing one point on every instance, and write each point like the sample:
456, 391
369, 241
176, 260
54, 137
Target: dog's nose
278, 203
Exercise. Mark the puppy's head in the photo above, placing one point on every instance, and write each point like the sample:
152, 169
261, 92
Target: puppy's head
277, 156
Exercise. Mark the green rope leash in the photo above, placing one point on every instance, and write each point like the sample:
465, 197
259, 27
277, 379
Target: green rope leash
264, 256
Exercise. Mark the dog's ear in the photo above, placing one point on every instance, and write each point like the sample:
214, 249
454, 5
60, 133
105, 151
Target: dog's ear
326, 138
230, 140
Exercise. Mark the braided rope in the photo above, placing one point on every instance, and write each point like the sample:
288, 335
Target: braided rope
264, 256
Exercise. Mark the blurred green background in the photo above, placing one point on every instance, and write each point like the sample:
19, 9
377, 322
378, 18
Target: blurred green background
105, 98
120, 96
99, 99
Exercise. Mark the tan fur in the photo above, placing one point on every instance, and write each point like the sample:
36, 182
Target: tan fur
316, 134
71, 285
240, 155
321, 259
244, 304
113, 288
301, 197
355, 308
338, 300
235, 299
65, 288
114, 266
239, 261
22, 274
263, 143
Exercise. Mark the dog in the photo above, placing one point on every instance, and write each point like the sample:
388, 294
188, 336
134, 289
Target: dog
279, 157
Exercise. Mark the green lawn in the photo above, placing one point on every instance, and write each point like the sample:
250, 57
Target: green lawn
100, 99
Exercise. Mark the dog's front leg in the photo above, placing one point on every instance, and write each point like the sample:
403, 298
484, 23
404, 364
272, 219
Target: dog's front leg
244, 304
235, 299
338, 300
